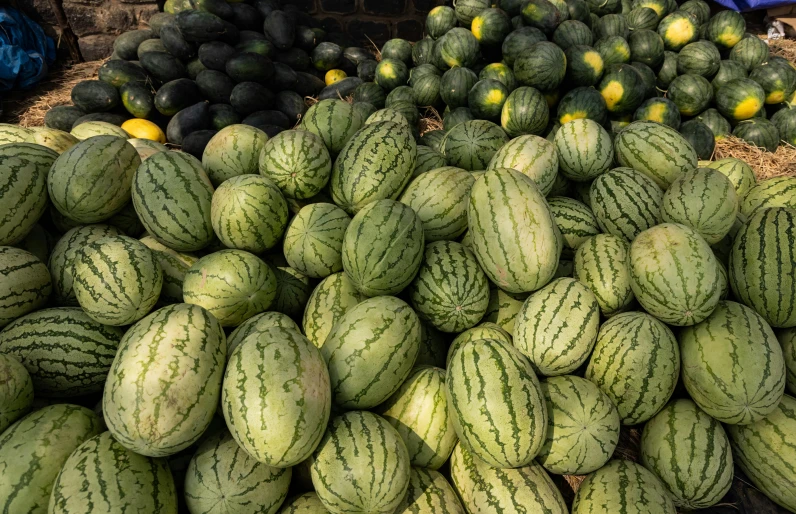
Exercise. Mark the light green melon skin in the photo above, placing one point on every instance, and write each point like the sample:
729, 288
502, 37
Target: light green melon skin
704, 200
91, 181
502, 420
174, 265
307, 503
429, 492
636, 362
584, 150
361, 465
733, 366
674, 274
787, 338
487, 490
314, 240
370, 351
557, 327
234, 150
56, 140
23, 188
419, 412
656, 150
503, 308
298, 162
582, 426
601, 264
575, 221
164, 384
622, 487
737, 171
486, 330
277, 374
765, 451
334, 121
387, 114
774, 192
39, 241
222, 478
91, 129
35, 448
690, 453
10, 133
532, 156
67, 253
16, 391
293, 291
440, 197
518, 253
146, 148
172, 196
115, 265
626, 202
327, 303
248, 212
105, 475
428, 159
25, 284
258, 324
232, 284
450, 291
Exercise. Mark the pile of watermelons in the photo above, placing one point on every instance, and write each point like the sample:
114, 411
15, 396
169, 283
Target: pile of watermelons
346, 316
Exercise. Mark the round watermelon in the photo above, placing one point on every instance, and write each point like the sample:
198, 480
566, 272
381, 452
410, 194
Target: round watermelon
646, 46
584, 65
725, 29
533, 156
601, 264
454, 86
440, 197
690, 93
700, 136
486, 99
439, 21
472, 144
490, 27
750, 52
785, 122
582, 103
314, 240
717, 123
699, 58
661, 110
740, 99
623, 89
234, 150
524, 112
728, 70
297, 161
677, 30
543, 65
23, 197
571, 33
519, 40
584, 150
778, 81
759, 132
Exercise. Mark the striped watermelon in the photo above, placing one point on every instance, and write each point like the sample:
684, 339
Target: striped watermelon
334, 121
740, 99
700, 9
23, 188
419, 412
35, 448
557, 327
691, 93
764, 450
101, 475
613, 50
248, 212
371, 350
14, 134
601, 264
375, 164
482, 332
361, 465
733, 365
307, 503
677, 29
584, 149
503, 308
147, 148
661, 110
496, 403
66, 352
24, 281
772, 192
450, 291
525, 112
91, 181
234, 150
165, 382
699, 58
517, 255
622, 487
117, 280
626, 202
657, 151
787, 338
261, 385
439, 21
297, 161
726, 28
56, 140
387, 114
582, 426
690, 453
763, 265
174, 265
232, 284
750, 52
427, 159
704, 200
391, 74
293, 290
314, 240
454, 86
16, 391
439, 197
383, 248
739, 173
728, 70
533, 156
484, 489
256, 325
635, 362
89, 129
582, 102
570, 33
486, 99
622, 88
328, 302
542, 65
429, 491
459, 47
172, 196
472, 144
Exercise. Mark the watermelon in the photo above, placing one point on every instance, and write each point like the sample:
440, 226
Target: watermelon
728, 70
88, 129
503, 308
543, 14
740, 99
690, 93
622, 87
482, 332
222, 473
387, 114
332, 298
740, 174
785, 122
677, 30
542, 65
524, 112
758, 132
102, 475
575, 221
307, 503
483, 488
400, 94
297, 161
600, 264
490, 27
500, 72
472, 144
314, 240
733, 366
584, 65
234, 150
439, 21
25, 281
764, 451
690, 453
725, 29
361, 465
777, 81
661, 110
772, 192
258, 324
16, 393
609, 24
527, 260
427, 159
625, 202
571, 33
458, 47
750, 52
334, 121
375, 164
718, 124
533, 156
636, 362
667, 72
429, 491
700, 137
486, 99
613, 50
426, 90
511, 431
172, 196
699, 8
582, 426
35, 448
439, 198
419, 412
454, 86
646, 47
655, 150
642, 18
293, 290
699, 58
174, 265
91, 181
14, 134
391, 73
458, 115
622, 487
582, 102
518, 41
584, 150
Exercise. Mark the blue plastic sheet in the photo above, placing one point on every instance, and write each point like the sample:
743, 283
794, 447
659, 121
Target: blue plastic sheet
752, 5
25, 51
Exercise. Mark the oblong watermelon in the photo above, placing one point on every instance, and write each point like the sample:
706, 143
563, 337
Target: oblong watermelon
601, 264
174, 265
625, 202
622, 486
313, 241
440, 197
737, 171
585, 150
575, 221
657, 151
772, 192
533, 156
326, 305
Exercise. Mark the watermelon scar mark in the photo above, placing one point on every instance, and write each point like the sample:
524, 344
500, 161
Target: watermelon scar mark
204, 277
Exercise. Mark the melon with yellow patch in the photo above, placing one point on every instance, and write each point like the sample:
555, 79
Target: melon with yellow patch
740, 99
622, 88
677, 30
144, 129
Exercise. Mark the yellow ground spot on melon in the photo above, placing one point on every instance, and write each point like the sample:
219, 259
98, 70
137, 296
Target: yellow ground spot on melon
656, 113
495, 96
552, 98
595, 61
729, 38
775, 97
612, 93
436, 10
746, 109
576, 115
622, 50
477, 27
387, 70
680, 32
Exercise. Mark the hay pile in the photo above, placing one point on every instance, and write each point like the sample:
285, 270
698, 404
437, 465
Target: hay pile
784, 48
764, 163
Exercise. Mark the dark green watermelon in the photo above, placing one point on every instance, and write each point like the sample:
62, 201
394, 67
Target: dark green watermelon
661, 110
646, 46
486, 99
699, 58
572, 33
700, 136
543, 66
623, 89
717, 123
584, 66
759, 132
519, 40
455, 85
613, 49
691, 93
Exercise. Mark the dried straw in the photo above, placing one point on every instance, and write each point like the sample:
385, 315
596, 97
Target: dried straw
764, 163
783, 47
431, 120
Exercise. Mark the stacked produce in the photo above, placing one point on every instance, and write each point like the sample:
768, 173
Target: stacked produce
350, 313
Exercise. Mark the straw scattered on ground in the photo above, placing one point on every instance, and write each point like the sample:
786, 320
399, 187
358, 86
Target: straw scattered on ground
764, 163
431, 120
783, 47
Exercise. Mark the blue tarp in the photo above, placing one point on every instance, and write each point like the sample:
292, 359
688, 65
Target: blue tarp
752, 5
25, 51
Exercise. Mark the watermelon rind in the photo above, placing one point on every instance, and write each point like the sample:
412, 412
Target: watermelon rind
258, 324
16, 391
429, 491
297, 161
656, 150
601, 264
327, 303
585, 150
439, 197
313, 241
622, 486
532, 156
232, 151
626, 202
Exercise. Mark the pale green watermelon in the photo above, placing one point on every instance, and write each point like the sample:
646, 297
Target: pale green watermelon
429, 492
575, 221
23, 188
625, 202
258, 324
16, 391
326, 305
298, 163
585, 150
439, 197
504, 307
313, 242
656, 150
774, 192
174, 265
25, 284
232, 151
737, 171
601, 264
787, 339
531, 155
622, 487
482, 332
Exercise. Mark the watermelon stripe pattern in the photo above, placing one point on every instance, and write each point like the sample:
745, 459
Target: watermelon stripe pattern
503, 308
232, 151
25, 284
584, 150
174, 265
774, 192
16, 391
625, 202
429, 492
257, 325
531, 155
575, 221
298, 162
472, 144
622, 487
326, 305
313, 242
334, 121
656, 150
601, 264
23, 188
440, 197
66, 352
